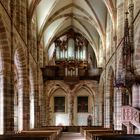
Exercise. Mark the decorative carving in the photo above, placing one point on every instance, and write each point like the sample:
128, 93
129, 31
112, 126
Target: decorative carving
130, 114
127, 77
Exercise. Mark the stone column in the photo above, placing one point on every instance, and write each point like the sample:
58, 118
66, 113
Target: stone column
96, 115
129, 128
43, 110
107, 109
24, 92
100, 112
48, 112
117, 109
71, 108
8, 103
36, 103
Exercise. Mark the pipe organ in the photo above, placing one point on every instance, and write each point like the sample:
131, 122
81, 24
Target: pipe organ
71, 53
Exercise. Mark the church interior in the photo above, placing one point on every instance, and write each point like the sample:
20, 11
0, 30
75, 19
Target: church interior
69, 68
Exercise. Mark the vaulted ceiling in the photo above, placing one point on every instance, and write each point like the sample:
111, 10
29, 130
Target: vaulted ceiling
88, 17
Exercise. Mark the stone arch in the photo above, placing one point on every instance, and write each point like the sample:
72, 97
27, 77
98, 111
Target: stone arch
109, 99
60, 118
85, 88
6, 108
88, 85
57, 86
20, 63
50, 88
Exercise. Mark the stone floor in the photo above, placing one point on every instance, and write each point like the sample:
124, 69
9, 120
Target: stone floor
71, 136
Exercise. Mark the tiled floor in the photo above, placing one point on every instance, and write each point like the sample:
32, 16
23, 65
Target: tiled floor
71, 136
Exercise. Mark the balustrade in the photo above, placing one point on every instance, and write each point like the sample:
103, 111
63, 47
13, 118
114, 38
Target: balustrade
130, 114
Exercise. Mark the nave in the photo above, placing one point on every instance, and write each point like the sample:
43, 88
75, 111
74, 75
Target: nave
69, 63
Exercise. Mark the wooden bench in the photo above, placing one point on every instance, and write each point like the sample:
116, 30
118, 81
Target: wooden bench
93, 135
119, 137
45, 133
49, 127
85, 131
84, 128
47, 136
43, 130
54, 133
90, 133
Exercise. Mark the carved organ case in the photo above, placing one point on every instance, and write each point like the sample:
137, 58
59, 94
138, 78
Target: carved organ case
71, 53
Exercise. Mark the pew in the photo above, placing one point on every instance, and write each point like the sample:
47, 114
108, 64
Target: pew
45, 133
48, 127
96, 135
54, 134
119, 137
84, 128
47, 136
94, 130
90, 134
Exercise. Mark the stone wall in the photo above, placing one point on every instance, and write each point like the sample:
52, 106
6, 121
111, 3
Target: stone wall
115, 62
14, 50
71, 94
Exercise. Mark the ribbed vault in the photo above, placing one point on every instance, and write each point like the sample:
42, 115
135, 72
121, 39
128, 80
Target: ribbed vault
87, 17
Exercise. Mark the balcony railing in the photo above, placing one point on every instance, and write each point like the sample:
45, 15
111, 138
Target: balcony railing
57, 73
130, 114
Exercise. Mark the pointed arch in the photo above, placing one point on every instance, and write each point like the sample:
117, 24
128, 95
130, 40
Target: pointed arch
85, 88
20, 63
51, 91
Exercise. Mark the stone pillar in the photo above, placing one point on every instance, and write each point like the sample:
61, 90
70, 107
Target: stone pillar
25, 97
96, 115
8, 103
129, 128
107, 109
117, 109
100, 112
44, 109
36, 105
48, 112
71, 108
